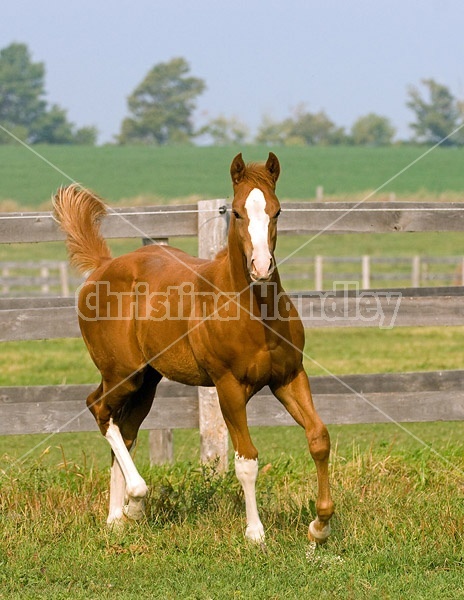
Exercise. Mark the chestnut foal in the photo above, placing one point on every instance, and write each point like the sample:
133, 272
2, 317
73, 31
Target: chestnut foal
225, 322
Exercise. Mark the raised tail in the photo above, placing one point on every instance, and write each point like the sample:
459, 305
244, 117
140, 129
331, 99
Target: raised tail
79, 212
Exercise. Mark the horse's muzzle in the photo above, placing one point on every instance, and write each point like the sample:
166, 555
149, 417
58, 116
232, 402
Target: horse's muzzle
258, 274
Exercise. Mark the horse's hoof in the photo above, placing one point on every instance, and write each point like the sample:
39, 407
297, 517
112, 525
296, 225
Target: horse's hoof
117, 524
318, 535
134, 510
255, 534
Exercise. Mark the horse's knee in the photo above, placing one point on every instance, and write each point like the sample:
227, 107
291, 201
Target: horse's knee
319, 443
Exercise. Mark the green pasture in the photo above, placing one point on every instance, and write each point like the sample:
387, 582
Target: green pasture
397, 532
28, 177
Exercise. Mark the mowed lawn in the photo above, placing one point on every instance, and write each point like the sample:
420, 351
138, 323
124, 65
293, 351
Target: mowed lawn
397, 531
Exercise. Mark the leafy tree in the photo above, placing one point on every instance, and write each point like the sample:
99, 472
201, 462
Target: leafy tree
54, 128
313, 129
21, 91
23, 110
436, 117
372, 130
273, 133
86, 136
224, 131
304, 129
162, 105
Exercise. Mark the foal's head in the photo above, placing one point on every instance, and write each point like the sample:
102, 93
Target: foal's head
255, 209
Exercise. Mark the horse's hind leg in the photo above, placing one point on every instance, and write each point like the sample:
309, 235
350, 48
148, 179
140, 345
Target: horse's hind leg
119, 409
131, 419
296, 397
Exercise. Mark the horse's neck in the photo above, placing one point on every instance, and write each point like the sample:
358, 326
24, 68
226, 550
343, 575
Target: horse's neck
236, 266
259, 299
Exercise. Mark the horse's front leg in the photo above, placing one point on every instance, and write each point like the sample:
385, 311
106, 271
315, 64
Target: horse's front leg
297, 399
233, 399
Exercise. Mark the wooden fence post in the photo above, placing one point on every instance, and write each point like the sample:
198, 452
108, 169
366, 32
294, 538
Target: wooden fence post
160, 446
5, 275
44, 275
64, 279
212, 237
366, 272
416, 271
318, 273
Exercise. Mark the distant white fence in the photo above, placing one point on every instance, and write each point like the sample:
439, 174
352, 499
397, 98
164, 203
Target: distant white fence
37, 278
56, 278
373, 272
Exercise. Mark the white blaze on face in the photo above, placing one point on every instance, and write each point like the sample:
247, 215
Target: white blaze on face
258, 229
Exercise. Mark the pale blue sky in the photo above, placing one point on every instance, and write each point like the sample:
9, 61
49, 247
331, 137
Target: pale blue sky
257, 57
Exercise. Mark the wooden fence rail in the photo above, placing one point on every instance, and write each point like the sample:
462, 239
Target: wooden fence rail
376, 398
349, 399
297, 218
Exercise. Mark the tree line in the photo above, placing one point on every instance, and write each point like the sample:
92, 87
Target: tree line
161, 111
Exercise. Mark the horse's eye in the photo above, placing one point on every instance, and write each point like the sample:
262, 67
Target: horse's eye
236, 214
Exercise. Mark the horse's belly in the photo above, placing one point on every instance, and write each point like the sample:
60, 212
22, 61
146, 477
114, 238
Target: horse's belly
179, 367
167, 349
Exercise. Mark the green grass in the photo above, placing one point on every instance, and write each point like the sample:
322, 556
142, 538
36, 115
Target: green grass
339, 351
30, 178
397, 530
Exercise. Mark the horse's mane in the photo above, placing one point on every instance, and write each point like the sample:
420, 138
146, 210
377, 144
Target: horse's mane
257, 174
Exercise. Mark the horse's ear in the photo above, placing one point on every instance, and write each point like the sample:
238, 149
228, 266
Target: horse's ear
273, 166
237, 169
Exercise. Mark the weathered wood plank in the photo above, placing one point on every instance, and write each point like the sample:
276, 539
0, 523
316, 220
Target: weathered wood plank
138, 222
419, 381
374, 308
370, 217
307, 218
161, 446
49, 409
380, 308
78, 393
36, 302
54, 417
425, 406
345, 409
39, 324
371, 398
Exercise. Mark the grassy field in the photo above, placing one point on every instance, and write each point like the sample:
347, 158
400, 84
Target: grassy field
29, 178
397, 531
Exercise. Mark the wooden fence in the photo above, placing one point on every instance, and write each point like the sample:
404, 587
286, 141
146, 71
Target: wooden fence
348, 399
